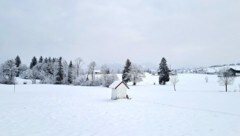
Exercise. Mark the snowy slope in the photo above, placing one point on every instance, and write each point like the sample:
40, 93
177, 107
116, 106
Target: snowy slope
195, 109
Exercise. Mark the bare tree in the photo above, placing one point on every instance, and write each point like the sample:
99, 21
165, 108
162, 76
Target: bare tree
78, 63
136, 74
107, 76
91, 68
174, 80
34, 75
65, 71
225, 78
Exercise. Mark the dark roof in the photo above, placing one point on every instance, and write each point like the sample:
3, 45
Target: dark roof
116, 84
234, 70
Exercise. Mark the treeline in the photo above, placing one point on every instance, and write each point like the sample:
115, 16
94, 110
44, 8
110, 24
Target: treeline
56, 71
134, 73
59, 71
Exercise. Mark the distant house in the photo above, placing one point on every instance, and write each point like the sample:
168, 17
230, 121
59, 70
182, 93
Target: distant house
119, 90
97, 72
234, 72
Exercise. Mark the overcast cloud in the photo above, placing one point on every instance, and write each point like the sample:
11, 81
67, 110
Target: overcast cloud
187, 32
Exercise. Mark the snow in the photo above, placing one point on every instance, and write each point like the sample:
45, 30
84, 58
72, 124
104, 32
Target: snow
197, 108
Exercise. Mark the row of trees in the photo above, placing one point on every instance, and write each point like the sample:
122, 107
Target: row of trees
56, 71
132, 73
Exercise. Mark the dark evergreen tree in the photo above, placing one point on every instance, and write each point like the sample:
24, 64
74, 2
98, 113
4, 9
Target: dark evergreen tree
59, 75
126, 77
40, 60
70, 73
49, 59
34, 62
163, 72
46, 60
53, 60
17, 61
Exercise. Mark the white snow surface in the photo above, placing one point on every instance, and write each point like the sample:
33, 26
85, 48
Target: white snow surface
197, 108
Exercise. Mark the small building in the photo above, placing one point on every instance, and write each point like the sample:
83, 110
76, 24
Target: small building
119, 90
97, 72
234, 72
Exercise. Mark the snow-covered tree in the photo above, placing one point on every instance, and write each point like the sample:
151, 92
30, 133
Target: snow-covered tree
50, 68
107, 76
225, 78
78, 63
34, 75
1, 74
105, 69
136, 73
108, 79
8, 71
65, 72
163, 72
37, 72
70, 73
33, 63
80, 80
91, 69
22, 68
126, 76
26, 74
174, 80
59, 72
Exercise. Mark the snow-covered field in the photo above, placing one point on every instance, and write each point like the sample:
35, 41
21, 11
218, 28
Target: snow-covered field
197, 108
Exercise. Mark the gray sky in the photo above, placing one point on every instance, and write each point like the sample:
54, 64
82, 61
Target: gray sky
186, 32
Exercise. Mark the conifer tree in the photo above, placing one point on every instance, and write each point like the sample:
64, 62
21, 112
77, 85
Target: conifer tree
17, 61
49, 59
34, 62
126, 76
40, 60
53, 60
59, 75
163, 72
70, 73
46, 60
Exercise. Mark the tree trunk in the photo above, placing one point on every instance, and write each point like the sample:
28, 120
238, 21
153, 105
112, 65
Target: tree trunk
134, 83
174, 88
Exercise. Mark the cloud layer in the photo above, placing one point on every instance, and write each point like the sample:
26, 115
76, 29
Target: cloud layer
187, 33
